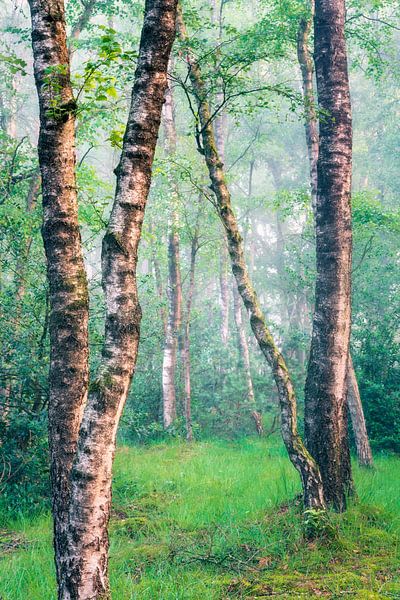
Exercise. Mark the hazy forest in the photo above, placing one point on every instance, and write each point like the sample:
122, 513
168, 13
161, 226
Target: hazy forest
199, 299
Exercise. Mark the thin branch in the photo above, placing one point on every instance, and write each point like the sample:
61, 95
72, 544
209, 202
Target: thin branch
375, 19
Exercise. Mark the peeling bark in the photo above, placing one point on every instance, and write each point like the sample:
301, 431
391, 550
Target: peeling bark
174, 276
325, 391
85, 572
301, 459
68, 319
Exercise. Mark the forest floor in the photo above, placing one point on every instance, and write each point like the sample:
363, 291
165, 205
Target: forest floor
218, 520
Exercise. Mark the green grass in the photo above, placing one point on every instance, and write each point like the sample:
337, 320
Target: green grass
217, 520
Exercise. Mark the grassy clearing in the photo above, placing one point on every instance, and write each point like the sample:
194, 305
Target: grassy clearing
215, 521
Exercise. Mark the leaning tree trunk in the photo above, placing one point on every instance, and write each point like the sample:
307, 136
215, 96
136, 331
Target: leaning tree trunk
301, 459
364, 453
85, 574
325, 391
68, 377
363, 447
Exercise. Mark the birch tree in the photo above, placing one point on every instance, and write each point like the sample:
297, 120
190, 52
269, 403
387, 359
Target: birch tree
325, 391
81, 474
306, 63
174, 292
68, 322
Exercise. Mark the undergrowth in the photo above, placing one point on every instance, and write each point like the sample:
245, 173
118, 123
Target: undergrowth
218, 520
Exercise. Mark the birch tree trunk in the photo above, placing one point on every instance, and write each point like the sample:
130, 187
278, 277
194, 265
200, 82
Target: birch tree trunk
174, 276
364, 453
301, 459
186, 334
310, 114
31, 201
158, 281
68, 319
220, 135
224, 291
325, 391
220, 127
244, 358
85, 572
243, 347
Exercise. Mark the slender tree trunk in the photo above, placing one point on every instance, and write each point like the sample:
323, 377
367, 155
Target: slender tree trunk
12, 115
174, 277
310, 114
285, 297
85, 574
220, 135
325, 391
5, 395
220, 127
83, 19
173, 325
244, 355
244, 358
186, 333
33, 193
158, 282
363, 447
312, 138
224, 291
301, 459
68, 319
